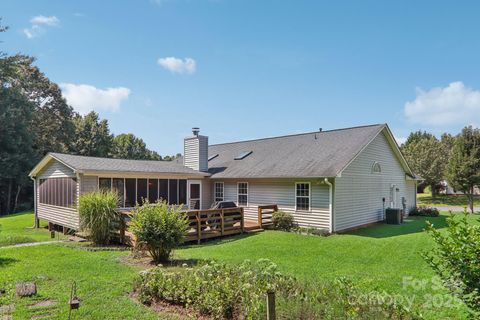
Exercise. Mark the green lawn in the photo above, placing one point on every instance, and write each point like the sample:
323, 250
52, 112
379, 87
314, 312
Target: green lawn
425, 199
375, 258
17, 228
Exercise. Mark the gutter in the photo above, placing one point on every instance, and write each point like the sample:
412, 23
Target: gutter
330, 204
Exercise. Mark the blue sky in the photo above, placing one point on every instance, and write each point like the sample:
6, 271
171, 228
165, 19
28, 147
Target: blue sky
251, 69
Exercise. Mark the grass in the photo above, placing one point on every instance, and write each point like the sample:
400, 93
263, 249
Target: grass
425, 199
17, 228
375, 258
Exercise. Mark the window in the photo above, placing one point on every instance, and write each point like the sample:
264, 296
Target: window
105, 184
118, 186
218, 191
182, 191
130, 192
60, 192
163, 190
243, 155
242, 193
152, 190
376, 168
142, 190
172, 191
302, 195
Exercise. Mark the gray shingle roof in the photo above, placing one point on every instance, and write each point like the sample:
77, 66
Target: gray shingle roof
315, 154
82, 164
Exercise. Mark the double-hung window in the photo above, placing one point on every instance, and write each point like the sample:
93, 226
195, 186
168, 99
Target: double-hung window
242, 191
218, 186
302, 196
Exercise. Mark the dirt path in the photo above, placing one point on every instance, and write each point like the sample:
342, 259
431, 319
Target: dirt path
31, 244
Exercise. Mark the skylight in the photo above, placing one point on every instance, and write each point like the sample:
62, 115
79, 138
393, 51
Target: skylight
243, 155
212, 157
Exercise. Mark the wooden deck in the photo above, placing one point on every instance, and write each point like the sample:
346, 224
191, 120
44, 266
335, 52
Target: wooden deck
205, 224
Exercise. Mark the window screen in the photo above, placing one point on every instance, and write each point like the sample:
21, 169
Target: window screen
142, 190
130, 192
152, 190
173, 191
105, 184
163, 190
182, 191
60, 192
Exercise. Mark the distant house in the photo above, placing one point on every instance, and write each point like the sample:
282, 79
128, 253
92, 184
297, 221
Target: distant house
335, 179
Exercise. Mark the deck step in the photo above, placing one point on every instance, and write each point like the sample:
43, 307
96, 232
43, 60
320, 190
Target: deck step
254, 230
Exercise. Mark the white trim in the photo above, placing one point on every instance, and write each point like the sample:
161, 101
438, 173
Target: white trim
215, 190
309, 196
248, 192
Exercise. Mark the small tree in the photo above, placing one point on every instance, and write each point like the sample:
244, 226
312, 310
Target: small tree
456, 258
98, 215
160, 228
463, 171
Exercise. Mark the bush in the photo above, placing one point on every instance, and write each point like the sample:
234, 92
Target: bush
160, 228
424, 211
98, 215
282, 220
456, 259
224, 291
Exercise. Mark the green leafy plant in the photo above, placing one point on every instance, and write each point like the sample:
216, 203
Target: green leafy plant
424, 211
98, 215
282, 220
159, 228
456, 258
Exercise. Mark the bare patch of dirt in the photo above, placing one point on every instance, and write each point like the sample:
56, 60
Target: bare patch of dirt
174, 309
43, 303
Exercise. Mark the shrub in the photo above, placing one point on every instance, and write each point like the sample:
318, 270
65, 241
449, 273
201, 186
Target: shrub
98, 215
282, 220
224, 291
160, 228
424, 211
456, 259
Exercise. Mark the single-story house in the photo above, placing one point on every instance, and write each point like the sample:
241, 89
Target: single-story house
333, 179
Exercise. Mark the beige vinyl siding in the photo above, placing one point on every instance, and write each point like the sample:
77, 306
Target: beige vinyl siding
207, 193
282, 193
359, 192
63, 216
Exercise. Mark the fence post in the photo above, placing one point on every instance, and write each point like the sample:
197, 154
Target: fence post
222, 222
259, 216
271, 305
242, 220
199, 227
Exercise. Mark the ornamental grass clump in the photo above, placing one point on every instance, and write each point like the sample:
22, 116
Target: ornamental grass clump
159, 228
98, 215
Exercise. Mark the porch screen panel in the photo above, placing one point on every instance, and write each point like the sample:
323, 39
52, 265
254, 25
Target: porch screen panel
105, 184
59, 192
173, 191
118, 186
130, 192
182, 191
142, 194
163, 190
152, 190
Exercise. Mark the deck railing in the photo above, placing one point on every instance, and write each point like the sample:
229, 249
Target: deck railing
203, 224
265, 214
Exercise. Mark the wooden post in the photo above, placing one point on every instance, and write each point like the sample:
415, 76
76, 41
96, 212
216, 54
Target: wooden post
242, 220
259, 216
222, 222
50, 226
271, 305
199, 228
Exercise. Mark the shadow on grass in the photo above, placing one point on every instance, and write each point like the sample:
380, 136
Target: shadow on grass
6, 261
218, 241
409, 226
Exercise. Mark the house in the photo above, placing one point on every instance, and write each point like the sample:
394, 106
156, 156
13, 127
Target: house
336, 179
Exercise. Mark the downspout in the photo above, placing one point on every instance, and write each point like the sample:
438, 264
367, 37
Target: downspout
35, 211
330, 205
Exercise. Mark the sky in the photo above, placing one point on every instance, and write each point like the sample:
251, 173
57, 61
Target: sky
252, 69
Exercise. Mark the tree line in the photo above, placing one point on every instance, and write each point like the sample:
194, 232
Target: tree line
455, 159
35, 119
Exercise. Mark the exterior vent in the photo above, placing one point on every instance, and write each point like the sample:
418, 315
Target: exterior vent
212, 157
243, 155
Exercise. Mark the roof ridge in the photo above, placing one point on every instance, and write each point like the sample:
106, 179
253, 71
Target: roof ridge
299, 134
107, 158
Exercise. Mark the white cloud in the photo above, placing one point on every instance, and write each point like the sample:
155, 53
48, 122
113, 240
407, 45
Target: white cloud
51, 21
176, 65
38, 25
454, 104
400, 140
85, 98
